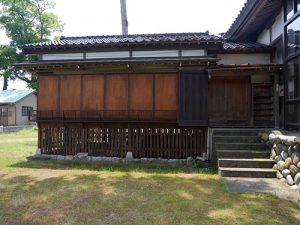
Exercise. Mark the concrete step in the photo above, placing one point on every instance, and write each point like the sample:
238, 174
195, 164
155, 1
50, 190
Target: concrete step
246, 163
236, 139
242, 154
237, 132
239, 146
247, 172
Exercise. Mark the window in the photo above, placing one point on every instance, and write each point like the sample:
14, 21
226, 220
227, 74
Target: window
293, 81
26, 110
3, 112
293, 113
289, 9
293, 36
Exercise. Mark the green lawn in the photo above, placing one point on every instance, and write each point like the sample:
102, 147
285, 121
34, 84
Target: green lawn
53, 192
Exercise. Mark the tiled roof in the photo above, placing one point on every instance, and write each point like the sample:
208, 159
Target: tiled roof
128, 39
252, 18
13, 96
140, 39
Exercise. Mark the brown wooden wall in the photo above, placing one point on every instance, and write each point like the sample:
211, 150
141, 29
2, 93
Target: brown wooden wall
114, 93
92, 92
70, 92
229, 100
48, 96
155, 95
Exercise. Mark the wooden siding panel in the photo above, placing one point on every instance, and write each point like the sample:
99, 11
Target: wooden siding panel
48, 93
166, 96
166, 91
93, 92
193, 98
141, 92
229, 100
217, 99
70, 92
116, 92
238, 99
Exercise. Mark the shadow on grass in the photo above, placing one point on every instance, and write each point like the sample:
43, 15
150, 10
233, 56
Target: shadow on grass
155, 199
106, 166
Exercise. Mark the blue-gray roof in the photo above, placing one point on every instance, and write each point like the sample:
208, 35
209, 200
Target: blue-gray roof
13, 96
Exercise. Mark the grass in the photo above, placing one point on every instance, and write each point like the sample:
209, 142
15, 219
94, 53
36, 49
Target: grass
55, 192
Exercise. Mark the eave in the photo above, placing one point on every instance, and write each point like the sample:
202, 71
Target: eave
116, 65
211, 45
253, 18
247, 70
242, 51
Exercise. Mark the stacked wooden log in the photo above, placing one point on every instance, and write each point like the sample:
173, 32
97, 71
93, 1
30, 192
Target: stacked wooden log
285, 151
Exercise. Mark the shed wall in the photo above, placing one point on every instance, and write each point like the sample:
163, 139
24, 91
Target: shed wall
30, 100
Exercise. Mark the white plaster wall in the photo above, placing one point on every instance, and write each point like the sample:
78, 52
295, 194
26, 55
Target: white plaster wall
159, 53
229, 59
277, 27
30, 100
66, 56
269, 35
107, 55
264, 37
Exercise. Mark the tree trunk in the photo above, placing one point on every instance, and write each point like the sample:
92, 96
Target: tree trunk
5, 83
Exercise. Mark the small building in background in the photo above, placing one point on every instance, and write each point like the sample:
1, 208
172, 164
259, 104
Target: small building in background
16, 106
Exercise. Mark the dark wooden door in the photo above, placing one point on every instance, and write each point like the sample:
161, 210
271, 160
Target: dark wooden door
193, 88
229, 101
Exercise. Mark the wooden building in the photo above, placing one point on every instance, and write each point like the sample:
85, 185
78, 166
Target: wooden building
276, 23
154, 95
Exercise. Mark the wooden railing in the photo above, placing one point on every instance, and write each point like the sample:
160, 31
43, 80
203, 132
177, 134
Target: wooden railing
108, 115
155, 141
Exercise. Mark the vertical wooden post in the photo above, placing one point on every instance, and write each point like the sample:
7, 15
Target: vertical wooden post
252, 106
276, 101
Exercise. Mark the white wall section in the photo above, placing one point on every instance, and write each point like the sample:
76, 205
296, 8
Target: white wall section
238, 59
198, 52
107, 55
66, 56
264, 37
153, 54
277, 27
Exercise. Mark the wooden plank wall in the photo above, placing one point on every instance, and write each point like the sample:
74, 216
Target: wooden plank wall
159, 141
111, 92
166, 88
193, 98
93, 92
229, 100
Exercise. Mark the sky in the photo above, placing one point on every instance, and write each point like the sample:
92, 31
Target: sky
102, 17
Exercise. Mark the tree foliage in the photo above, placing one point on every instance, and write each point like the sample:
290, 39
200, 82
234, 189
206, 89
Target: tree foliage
25, 21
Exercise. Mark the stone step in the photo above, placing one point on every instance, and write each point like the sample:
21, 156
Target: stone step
236, 139
247, 172
242, 154
239, 146
237, 132
246, 163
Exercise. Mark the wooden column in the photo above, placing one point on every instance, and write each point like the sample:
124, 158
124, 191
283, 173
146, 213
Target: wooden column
276, 101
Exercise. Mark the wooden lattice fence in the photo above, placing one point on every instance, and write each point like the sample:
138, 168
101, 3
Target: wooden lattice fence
150, 142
